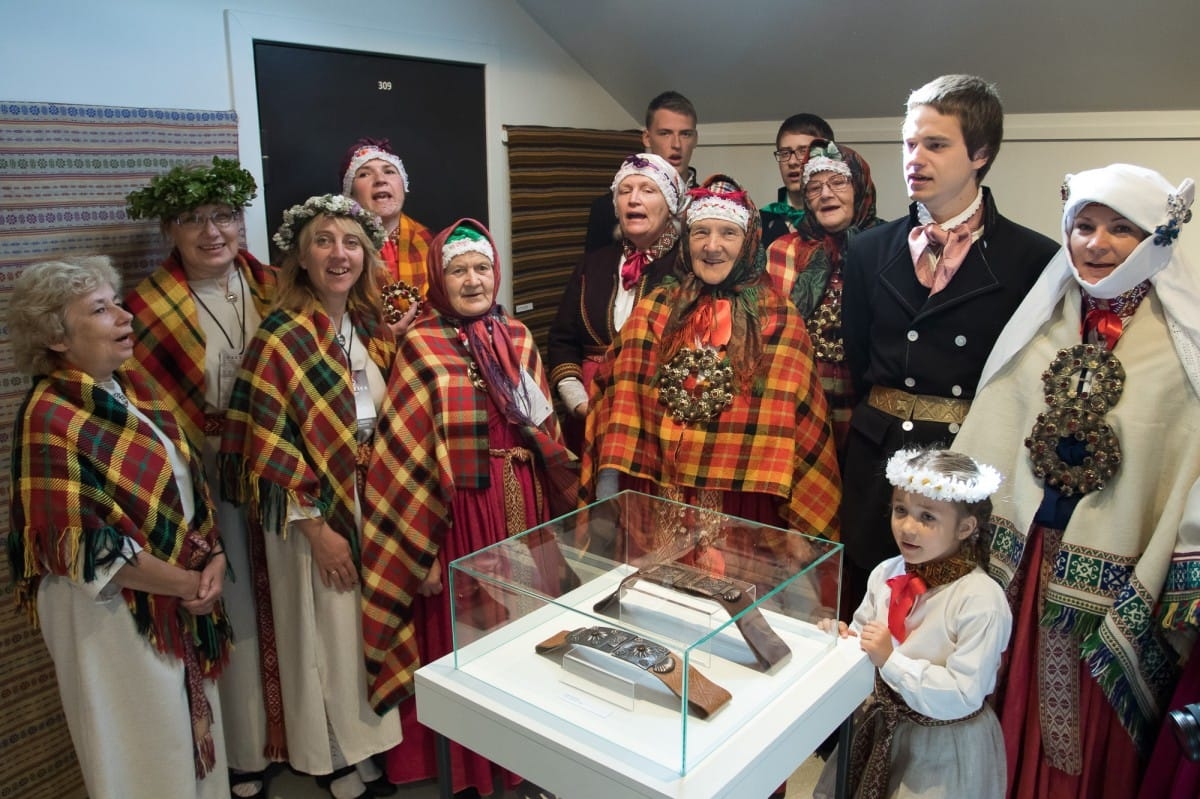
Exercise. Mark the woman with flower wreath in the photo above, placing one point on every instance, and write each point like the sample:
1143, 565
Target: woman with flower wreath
1090, 402
297, 433
713, 399
192, 320
468, 453
807, 264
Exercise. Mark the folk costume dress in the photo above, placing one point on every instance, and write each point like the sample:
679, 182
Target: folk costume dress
768, 456
189, 339
96, 482
290, 450
944, 664
1103, 579
594, 307
457, 466
807, 268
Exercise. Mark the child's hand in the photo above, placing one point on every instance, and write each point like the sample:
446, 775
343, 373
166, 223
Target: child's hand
825, 625
877, 642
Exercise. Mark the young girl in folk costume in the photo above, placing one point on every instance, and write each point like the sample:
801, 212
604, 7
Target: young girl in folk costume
934, 625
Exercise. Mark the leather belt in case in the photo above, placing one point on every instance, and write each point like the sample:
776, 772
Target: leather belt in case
704, 696
765, 643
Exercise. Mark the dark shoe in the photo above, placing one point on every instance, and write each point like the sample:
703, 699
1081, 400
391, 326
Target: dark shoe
381, 786
468, 793
237, 778
326, 781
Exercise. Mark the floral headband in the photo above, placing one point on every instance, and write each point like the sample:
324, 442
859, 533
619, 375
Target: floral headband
939, 485
824, 156
296, 217
729, 206
465, 239
370, 153
657, 169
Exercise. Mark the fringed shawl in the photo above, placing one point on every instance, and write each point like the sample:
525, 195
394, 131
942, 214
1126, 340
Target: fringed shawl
432, 440
169, 340
406, 251
1129, 567
290, 428
775, 441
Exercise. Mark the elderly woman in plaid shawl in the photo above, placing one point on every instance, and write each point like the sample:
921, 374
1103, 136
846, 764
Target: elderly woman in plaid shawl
113, 546
192, 320
713, 399
299, 426
468, 453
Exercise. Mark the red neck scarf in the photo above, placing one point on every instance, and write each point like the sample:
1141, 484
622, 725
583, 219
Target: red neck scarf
916, 580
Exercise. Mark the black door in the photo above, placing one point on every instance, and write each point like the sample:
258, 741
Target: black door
314, 102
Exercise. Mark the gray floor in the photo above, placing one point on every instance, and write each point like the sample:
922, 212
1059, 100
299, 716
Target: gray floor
290, 786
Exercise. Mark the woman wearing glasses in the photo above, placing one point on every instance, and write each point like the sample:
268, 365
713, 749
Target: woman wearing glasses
839, 198
607, 282
192, 318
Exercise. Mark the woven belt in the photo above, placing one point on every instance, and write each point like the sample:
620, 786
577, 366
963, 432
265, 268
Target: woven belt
918, 407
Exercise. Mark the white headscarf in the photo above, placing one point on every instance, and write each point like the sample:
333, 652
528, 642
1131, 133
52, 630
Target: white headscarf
1145, 198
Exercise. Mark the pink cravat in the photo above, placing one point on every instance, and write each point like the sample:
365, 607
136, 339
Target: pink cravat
925, 243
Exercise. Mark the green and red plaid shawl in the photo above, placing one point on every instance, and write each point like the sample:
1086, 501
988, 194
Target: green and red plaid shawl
88, 474
168, 339
774, 439
432, 439
290, 428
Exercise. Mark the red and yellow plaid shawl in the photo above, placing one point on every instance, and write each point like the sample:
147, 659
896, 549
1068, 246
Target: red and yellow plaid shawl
87, 474
776, 442
406, 251
290, 428
432, 439
168, 339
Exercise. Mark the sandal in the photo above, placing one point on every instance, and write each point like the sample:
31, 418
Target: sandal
244, 778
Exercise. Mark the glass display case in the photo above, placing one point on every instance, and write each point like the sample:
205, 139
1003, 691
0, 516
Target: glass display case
656, 627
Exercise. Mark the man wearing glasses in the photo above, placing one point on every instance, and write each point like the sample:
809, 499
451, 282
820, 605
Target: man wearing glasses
670, 134
791, 151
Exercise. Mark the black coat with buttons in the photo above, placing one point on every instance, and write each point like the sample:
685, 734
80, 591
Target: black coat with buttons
898, 336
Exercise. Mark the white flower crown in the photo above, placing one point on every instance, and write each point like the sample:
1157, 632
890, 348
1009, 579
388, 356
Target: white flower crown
296, 217
939, 485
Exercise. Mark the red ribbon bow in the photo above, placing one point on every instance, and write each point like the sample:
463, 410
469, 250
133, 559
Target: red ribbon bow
905, 590
712, 322
631, 270
1106, 323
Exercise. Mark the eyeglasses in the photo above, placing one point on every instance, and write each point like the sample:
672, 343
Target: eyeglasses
222, 219
783, 156
836, 184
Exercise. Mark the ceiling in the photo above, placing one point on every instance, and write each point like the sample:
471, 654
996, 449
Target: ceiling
756, 60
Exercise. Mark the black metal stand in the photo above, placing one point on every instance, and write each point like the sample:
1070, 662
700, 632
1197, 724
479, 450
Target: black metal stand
845, 740
445, 782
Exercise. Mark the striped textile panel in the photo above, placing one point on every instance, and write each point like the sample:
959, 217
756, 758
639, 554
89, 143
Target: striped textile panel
554, 175
64, 174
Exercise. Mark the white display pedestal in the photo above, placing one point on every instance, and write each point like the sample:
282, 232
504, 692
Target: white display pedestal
577, 763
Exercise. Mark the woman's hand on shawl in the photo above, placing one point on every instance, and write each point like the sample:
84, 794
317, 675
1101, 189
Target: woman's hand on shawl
212, 585
432, 584
331, 555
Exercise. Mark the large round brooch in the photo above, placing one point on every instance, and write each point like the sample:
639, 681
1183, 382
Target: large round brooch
695, 385
1077, 411
398, 297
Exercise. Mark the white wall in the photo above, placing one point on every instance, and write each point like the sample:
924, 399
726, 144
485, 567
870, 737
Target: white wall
195, 54
1038, 151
